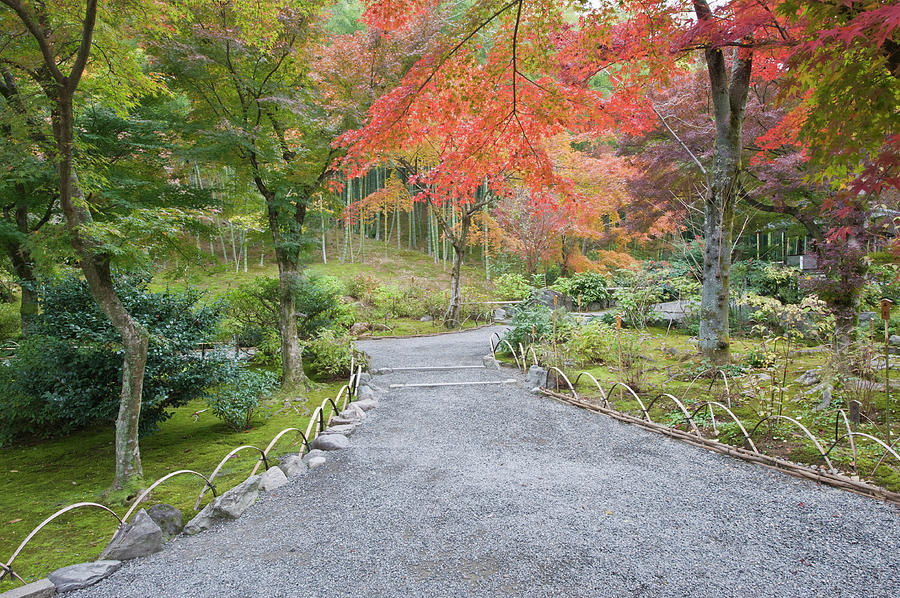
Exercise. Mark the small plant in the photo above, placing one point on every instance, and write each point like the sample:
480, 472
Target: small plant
761, 357
593, 343
589, 287
238, 401
535, 324
362, 286
330, 355
635, 300
512, 287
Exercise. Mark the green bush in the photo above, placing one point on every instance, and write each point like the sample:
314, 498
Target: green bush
512, 287
237, 401
594, 342
330, 355
882, 282
534, 324
636, 300
67, 375
253, 308
396, 302
766, 279
590, 286
362, 286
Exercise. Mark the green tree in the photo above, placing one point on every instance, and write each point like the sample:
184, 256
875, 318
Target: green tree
256, 108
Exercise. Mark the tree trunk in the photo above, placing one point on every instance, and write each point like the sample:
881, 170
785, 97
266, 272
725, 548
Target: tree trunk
96, 269
729, 98
288, 277
291, 353
451, 316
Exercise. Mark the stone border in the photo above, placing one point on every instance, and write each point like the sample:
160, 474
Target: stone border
147, 532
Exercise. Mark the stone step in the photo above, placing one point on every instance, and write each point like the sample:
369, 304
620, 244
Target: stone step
471, 383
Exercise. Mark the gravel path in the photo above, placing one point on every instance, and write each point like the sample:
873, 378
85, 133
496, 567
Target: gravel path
491, 491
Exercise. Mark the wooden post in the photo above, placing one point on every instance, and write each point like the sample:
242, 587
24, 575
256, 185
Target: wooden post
854, 413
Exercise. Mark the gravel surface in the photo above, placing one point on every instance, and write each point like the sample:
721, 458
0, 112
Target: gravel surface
491, 491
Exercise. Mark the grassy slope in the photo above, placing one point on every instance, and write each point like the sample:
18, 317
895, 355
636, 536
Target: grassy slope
383, 262
39, 479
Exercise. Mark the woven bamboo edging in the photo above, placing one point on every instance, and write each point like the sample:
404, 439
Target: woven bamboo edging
807, 473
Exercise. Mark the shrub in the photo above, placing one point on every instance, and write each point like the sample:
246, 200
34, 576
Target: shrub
253, 307
808, 320
474, 307
237, 401
67, 375
330, 355
636, 300
512, 287
393, 301
594, 342
534, 324
361, 286
769, 280
590, 286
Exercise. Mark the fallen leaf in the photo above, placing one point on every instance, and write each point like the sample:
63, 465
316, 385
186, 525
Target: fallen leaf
14, 521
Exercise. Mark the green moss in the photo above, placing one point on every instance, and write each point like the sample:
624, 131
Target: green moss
37, 480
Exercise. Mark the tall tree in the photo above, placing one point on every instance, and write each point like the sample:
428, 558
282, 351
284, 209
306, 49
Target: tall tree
27, 189
256, 107
56, 55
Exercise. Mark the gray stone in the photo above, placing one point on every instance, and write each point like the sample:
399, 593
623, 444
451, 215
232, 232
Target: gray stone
343, 421
365, 377
826, 400
365, 392
894, 339
865, 316
230, 505
500, 314
273, 478
366, 404
42, 588
168, 518
312, 455
810, 377
203, 520
233, 503
292, 466
141, 537
82, 575
316, 462
537, 377
353, 412
331, 442
546, 297
490, 363
345, 429
359, 328
426, 319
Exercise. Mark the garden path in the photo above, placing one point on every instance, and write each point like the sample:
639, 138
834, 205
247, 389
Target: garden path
488, 490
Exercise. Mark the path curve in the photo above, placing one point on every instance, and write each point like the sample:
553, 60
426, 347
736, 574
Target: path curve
492, 491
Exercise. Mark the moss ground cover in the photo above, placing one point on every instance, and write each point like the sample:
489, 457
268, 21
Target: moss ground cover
37, 480
668, 363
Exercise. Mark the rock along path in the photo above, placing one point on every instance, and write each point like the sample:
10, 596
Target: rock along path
492, 491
